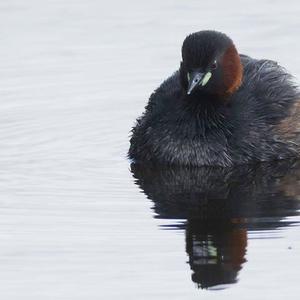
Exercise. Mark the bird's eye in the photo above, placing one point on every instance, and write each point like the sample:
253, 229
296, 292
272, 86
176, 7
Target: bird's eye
214, 65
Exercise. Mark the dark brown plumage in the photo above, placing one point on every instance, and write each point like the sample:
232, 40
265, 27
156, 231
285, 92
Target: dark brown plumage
220, 108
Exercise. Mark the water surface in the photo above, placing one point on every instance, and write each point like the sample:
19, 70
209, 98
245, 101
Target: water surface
77, 220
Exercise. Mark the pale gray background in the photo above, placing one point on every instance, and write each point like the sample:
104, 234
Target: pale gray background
73, 77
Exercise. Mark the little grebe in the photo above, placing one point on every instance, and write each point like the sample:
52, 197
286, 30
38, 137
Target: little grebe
219, 109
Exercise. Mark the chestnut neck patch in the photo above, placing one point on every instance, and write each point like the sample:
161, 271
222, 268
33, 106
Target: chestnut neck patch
232, 70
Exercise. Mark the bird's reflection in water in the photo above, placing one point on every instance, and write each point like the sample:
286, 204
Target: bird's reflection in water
219, 206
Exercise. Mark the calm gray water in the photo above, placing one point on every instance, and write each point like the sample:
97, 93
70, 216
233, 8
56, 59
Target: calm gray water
75, 222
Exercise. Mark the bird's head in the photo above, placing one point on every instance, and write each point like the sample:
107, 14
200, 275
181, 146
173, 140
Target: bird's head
210, 64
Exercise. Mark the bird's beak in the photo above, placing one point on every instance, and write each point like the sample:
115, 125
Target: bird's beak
197, 78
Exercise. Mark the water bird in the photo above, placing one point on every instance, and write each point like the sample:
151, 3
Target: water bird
220, 108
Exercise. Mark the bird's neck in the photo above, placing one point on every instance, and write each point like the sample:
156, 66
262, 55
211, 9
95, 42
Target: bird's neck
207, 111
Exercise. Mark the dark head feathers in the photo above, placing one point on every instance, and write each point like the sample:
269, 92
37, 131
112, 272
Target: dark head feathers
213, 52
202, 47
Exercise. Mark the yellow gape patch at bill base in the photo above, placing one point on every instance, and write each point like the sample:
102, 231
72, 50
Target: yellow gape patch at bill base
206, 78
